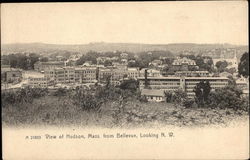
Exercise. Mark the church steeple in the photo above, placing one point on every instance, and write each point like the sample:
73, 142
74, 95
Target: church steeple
235, 57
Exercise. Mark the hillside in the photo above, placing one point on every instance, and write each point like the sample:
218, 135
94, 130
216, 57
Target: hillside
44, 48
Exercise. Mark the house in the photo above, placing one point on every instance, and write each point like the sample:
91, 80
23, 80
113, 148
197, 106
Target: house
87, 63
184, 64
155, 63
114, 58
154, 95
101, 60
133, 72
124, 61
124, 55
131, 61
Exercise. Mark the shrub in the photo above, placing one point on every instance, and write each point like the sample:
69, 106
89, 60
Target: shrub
24, 95
245, 104
188, 103
228, 97
60, 92
86, 99
178, 96
168, 96
143, 98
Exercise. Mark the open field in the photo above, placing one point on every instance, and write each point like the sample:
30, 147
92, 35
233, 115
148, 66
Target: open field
60, 111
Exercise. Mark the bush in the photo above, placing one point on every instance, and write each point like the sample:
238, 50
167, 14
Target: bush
60, 92
245, 104
228, 97
85, 99
188, 103
178, 96
168, 96
24, 95
143, 98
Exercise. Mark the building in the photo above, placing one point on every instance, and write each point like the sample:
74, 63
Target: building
114, 58
184, 60
154, 95
150, 72
40, 82
42, 66
243, 84
64, 75
101, 60
124, 61
232, 62
225, 74
192, 73
184, 64
155, 63
5, 66
114, 74
124, 55
117, 76
104, 73
11, 75
87, 74
120, 66
185, 83
87, 63
133, 72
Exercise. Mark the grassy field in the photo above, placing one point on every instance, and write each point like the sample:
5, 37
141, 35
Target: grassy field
59, 111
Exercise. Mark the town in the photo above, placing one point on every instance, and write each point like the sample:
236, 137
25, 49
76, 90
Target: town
154, 72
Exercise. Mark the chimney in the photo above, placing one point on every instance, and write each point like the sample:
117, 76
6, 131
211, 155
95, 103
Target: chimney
146, 78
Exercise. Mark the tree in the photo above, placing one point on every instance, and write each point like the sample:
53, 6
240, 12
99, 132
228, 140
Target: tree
231, 81
177, 96
228, 97
231, 70
244, 65
129, 84
89, 56
202, 91
146, 79
33, 58
221, 65
107, 63
206, 91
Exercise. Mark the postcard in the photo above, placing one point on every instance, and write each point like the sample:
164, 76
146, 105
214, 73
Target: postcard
125, 80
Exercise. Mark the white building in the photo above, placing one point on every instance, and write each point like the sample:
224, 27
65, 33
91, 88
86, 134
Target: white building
232, 62
150, 72
153, 95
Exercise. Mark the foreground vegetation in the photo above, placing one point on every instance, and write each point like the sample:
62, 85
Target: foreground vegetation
109, 107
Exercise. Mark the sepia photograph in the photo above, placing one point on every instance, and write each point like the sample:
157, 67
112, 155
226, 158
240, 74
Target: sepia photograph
125, 80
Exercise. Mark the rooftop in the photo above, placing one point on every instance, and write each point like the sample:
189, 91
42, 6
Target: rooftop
152, 92
204, 78
9, 69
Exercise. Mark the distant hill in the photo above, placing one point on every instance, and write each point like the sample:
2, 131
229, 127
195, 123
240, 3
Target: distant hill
43, 48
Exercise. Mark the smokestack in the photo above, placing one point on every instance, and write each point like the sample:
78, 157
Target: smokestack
146, 78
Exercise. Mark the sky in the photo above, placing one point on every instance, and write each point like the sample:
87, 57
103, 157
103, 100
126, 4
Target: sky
125, 22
